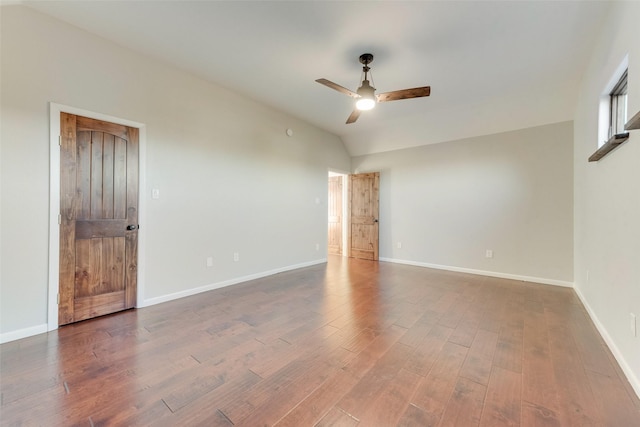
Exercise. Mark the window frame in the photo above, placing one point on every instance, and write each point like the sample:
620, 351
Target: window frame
618, 105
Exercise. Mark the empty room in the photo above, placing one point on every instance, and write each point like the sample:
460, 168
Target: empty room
319, 213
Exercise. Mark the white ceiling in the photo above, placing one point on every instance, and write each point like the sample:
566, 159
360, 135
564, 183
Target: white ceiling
492, 66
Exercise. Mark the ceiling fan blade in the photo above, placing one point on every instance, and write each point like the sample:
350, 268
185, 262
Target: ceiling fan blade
337, 87
354, 116
416, 92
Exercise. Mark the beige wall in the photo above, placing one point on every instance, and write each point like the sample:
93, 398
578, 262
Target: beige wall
511, 193
230, 179
607, 196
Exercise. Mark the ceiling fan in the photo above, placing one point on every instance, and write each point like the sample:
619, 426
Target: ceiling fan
365, 95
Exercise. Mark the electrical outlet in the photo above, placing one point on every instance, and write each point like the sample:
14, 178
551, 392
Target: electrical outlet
210, 261
236, 256
634, 330
155, 193
317, 246
488, 253
399, 245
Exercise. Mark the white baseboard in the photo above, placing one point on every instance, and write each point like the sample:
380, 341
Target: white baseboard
633, 379
234, 281
483, 272
23, 333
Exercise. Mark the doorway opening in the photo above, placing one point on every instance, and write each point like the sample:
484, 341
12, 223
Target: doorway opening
337, 214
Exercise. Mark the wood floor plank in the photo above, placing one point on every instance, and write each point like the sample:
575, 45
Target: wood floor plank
387, 409
350, 342
508, 354
316, 369
593, 350
426, 353
337, 418
285, 354
613, 401
465, 406
477, 366
320, 401
201, 410
502, 403
465, 332
416, 417
360, 398
538, 415
576, 399
538, 378
435, 390
416, 334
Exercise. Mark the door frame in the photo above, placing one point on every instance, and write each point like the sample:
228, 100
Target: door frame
54, 202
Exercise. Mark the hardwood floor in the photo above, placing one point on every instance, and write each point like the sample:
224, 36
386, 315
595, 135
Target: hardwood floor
350, 343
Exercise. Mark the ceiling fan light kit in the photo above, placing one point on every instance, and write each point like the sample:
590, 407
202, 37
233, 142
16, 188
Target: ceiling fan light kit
365, 96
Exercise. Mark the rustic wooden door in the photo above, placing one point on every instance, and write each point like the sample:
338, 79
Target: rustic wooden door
335, 215
98, 218
363, 215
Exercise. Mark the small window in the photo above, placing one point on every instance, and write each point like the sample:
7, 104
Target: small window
618, 106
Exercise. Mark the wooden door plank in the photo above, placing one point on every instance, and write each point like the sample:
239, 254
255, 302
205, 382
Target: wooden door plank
68, 212
100, 228
131, 244
87, 124
83, 192
96, 175
107, 176
120, 178
88, 268
113, 264
98, 305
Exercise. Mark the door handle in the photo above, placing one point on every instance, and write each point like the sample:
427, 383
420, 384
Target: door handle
132, 227
375, 220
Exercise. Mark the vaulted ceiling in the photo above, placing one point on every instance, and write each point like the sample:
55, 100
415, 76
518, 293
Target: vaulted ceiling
492, 66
